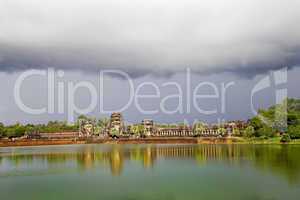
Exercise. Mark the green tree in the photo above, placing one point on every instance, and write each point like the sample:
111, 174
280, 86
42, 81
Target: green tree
285, 138
287, 111
294, 132
249, 131
293, 118
82, 117
199, 127
2, 130
16, 130
256, 123
222, 131
265, 131
137, 129
236, 132
102, 124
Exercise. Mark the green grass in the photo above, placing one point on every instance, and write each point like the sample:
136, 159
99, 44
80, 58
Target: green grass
275, 140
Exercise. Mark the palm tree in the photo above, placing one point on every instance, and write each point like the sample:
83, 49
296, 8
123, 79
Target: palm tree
222, 131
137, 129
199, 127
134, 129
102, 124
141, 130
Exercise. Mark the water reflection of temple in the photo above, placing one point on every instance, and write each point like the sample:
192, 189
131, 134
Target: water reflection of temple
88, 157
178, 151
115, 157
116, 161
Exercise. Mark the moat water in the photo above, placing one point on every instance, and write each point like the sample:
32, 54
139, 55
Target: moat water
136, 172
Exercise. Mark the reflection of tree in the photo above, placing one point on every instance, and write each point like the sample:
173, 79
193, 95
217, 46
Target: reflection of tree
281, 160
278, 159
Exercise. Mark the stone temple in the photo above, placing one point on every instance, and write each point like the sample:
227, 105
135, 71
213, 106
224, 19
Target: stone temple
116, 124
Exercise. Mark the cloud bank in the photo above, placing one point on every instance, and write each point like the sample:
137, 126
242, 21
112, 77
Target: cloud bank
150, 36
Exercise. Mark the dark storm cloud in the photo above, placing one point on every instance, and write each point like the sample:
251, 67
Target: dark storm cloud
161, 37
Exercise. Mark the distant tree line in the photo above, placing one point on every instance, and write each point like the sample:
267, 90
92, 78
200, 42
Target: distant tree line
19, 130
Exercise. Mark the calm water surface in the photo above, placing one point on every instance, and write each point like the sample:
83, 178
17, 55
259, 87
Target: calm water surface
167, 172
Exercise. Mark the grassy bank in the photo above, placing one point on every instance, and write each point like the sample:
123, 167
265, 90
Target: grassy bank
275, 140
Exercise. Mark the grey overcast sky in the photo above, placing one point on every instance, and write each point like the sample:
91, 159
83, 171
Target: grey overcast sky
151, 40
